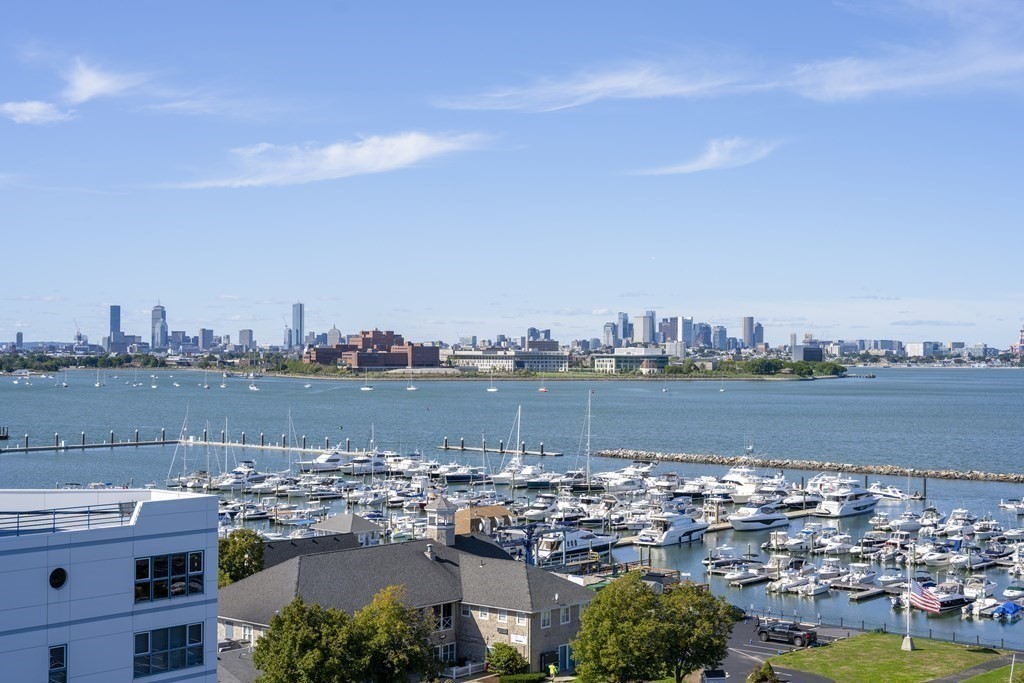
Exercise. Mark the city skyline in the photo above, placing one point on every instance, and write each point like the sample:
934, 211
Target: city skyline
851, 174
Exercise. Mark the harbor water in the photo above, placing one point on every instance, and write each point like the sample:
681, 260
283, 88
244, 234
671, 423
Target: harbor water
963, 419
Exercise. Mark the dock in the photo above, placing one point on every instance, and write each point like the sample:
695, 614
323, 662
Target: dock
500, 450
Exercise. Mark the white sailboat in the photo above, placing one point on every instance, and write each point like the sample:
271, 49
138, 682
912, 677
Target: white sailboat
492, 388
411, 387
366, 385
98, 382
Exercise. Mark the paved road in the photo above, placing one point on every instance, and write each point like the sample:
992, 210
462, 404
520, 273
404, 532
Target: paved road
747, 652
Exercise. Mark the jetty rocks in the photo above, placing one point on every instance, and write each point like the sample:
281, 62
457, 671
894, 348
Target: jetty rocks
813, 465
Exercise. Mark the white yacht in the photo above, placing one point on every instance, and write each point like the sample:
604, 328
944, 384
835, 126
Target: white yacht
671, 528
751, 518
558, 546
331, 461
845, 501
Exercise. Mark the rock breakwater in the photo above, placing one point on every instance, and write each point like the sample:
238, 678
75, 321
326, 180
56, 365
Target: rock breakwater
813, 465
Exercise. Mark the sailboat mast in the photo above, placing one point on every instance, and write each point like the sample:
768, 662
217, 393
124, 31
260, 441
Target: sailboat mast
589, 394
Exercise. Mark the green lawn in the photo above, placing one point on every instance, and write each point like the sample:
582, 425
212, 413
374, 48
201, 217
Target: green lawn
995, 676
876, 657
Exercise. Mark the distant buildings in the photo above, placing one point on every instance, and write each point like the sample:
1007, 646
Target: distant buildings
158, 338
510, 360
298, 335
108, 585
19, 341
246, 340
640, 359
376, 349
610, 337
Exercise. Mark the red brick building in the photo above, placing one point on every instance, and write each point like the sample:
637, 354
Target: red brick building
376, 349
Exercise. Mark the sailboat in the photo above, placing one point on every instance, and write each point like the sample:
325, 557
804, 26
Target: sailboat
722, 387
411, 387
98, 382
253, 387
543, 389
664, 387
307, 385
366, 386
64, 383
206, 385
492, 388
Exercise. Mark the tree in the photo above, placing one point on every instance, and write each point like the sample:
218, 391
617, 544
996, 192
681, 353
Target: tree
241, 555
392, 639
763, 674
306, 644
504, 660
619, 636
695, 626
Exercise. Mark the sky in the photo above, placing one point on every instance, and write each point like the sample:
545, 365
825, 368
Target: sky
850, 169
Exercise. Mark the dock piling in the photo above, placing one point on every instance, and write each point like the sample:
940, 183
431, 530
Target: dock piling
111, 438
303, 442
501, 446
222, 436
243, 438
136, 437
284, 441
204, 436
26, 439
542, 448
348, 445
462, 444
262, 440
83, 438
56, 439
446, 443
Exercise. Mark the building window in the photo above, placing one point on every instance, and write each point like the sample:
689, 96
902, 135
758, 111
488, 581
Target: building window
465, 610
58, 664
545, 619
483, 613
445, 653
502, 616
566, 615
247, 633
168, 576
443, 617
168, 649
520, 618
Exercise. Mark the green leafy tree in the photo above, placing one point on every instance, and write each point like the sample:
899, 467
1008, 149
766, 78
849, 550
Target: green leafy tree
241, 555
392, 639
695, 626
619, 637
763, 674
306, 643
504, 660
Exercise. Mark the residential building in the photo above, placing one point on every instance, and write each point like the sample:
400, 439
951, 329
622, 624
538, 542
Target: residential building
298, 325
159, 328
364, 531
474, 593
631, 359
108, 585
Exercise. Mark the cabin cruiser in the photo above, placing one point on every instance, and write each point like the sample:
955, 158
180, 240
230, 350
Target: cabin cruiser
831, 568
838, 544
862, 572
556, 547
777, 540
845, 501
670, 528
908, 521
813, 587
241, 477
365, 463
331, 461
890, 576
788, 582
887, 492
751, 518
740, 572
950, 596
802, 499
978, 586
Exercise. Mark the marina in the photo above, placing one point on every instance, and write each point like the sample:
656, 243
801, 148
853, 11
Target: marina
618, 502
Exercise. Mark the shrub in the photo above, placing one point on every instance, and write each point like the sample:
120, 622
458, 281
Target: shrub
523, 678
505, 660
763, 674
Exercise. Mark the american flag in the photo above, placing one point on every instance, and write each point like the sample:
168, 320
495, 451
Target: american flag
922, 598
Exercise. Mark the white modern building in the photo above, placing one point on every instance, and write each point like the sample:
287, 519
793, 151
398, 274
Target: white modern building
108, 585
645, 360
508, 360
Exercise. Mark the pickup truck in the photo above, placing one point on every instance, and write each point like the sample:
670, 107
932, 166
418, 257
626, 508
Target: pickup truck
788, 632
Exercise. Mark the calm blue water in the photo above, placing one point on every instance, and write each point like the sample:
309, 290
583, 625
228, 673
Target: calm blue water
934, 418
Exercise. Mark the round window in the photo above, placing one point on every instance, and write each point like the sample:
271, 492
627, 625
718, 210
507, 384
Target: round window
58, 577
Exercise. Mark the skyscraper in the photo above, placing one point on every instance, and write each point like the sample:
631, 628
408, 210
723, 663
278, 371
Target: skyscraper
115, 323
19, 341
159, 328
611, 335
668, 329
625, 329
246, 340
205, 339
748, 331
719, 338
298, 325
758, 334
647, 327
686, 331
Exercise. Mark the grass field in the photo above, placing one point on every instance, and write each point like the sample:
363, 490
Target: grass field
876, 657
995, 676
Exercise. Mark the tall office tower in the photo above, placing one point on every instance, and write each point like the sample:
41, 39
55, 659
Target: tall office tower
205, 339
625, 329
748, 331
719, 338
686, 331
702, 335
19, 341
333, 336
115, 323
532, 334
647, 327
287, 337
668, 329
758, 334
246, 340
298, 324
611, 335
792, 341
159, 328
545, 335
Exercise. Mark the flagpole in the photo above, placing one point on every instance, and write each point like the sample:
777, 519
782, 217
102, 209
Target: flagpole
908, 640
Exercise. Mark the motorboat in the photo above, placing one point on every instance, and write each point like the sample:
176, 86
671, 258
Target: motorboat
788, 582
1014, 590
331, 461
887, 492
740, 572
845, 501
880, 520
802, 499
831, 568
556, 547
777, 540
861, 572
891, 576
978, 586
908, 521
750, 518
838, 544
671, 528
949, 596
977, 608
813, 587
722, 556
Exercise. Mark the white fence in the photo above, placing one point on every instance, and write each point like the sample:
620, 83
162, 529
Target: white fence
457, 672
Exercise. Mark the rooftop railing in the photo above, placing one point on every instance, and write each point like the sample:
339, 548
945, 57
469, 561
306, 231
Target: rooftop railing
55, 520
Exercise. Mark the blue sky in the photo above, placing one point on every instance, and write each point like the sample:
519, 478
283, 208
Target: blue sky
849, 169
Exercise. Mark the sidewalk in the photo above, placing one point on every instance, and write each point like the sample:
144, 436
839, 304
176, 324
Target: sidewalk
975, 670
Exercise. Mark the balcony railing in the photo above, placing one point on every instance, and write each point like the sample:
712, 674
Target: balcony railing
23, 522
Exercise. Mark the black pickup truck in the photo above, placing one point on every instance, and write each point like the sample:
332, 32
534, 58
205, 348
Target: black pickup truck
786, 631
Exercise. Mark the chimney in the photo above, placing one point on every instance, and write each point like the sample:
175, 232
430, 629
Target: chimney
430, 552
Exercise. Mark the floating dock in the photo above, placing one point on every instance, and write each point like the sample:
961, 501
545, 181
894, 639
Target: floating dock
500, 450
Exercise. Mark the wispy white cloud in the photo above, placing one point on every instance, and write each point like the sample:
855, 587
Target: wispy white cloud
932, 323
633, 82
266, 164
720, 153
87, 82
34, 112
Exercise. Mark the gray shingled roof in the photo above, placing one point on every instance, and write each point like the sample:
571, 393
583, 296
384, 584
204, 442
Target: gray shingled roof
347, 523
276, 552
475, 571
513, 585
